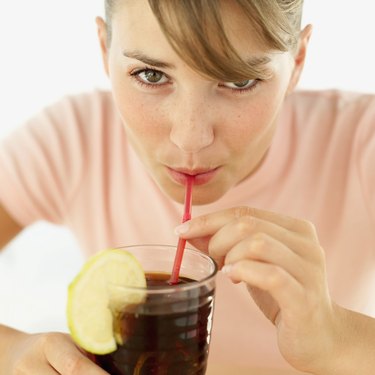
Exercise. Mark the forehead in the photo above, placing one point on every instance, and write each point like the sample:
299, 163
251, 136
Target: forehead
135, 27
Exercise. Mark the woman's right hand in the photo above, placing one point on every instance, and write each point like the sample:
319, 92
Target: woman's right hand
46, 354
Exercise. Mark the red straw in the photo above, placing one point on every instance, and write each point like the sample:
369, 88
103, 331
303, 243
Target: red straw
181, 241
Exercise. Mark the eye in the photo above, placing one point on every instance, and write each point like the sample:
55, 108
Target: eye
243, 85
150, 76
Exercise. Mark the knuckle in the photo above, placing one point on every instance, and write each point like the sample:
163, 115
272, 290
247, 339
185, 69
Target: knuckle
321, 254
243, 227
240, 270
257, 245
48, 339
45, 340
201, 221
286, 235
260, 237
261, 240
276, 278
241, 211
35, 348
74, 364
20, 368
308, 227
213, 249
314, 252
21, 362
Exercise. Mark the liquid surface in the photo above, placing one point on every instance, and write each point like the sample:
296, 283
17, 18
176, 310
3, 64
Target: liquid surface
162, 279
163, 337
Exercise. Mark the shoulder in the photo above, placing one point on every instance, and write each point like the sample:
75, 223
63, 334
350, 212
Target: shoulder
74, 119
96, 99
332, 102
69, 131
349, 112
69, 113
83, 106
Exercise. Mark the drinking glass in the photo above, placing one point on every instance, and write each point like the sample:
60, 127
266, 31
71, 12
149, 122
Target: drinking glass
163, 329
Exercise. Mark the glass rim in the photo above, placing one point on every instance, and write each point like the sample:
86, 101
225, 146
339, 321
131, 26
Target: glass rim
172, 288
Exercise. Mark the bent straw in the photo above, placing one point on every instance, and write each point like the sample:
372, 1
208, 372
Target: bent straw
181, 242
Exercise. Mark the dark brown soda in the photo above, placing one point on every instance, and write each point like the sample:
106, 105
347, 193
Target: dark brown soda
162, 341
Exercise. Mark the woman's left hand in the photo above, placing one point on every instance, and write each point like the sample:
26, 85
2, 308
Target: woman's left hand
282, 263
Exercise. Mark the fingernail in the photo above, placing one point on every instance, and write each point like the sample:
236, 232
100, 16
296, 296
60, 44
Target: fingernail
226, 269
181, 229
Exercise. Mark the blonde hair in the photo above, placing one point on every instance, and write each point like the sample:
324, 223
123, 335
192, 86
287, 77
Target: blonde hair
195, 30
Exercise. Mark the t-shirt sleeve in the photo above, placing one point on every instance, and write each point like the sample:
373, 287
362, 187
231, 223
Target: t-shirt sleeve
366, 155
41, 164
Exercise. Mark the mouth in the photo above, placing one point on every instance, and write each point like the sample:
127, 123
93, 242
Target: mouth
201, 176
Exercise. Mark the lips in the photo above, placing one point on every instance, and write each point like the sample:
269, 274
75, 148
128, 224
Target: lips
201, 176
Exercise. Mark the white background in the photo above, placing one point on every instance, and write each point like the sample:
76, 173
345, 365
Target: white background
48, 48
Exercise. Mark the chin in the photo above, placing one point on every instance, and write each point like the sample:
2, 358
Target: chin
208, 198
201, 195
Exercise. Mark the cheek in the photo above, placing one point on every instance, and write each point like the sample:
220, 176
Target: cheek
142, 118
268, 103
252, 121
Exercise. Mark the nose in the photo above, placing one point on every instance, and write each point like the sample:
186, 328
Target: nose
193, 124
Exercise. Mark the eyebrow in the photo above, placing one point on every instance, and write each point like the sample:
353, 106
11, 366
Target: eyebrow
258, 61
252, 61
147, 60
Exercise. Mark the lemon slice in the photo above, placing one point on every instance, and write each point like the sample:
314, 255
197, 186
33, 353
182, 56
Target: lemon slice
95, 295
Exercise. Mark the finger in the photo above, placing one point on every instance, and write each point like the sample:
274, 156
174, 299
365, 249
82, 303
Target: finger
34, 365
282, 286
239, 229
39, 368
50, 371
206, 225
267, 249
67, 359
252, 228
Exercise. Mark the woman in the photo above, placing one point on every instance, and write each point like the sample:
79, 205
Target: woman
283, 194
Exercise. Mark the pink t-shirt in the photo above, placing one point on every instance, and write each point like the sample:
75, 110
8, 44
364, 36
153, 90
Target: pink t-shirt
72, 165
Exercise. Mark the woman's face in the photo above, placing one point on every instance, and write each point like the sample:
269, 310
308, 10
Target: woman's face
182, 123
